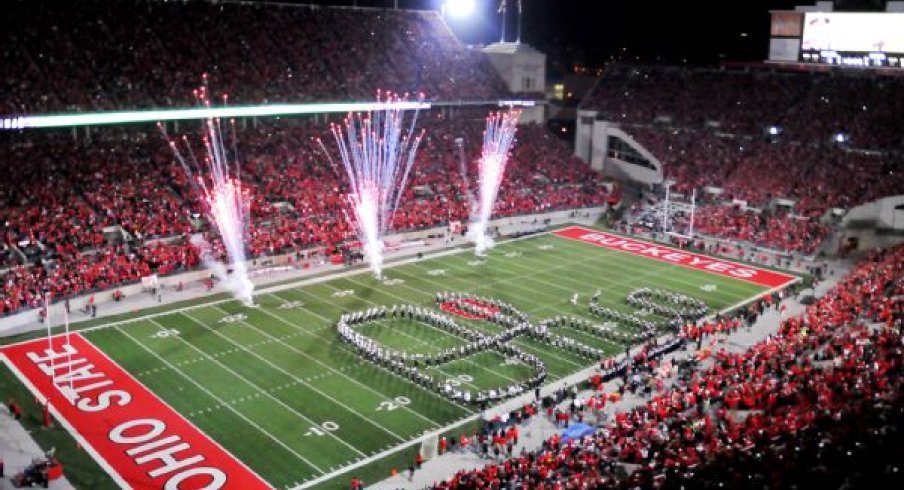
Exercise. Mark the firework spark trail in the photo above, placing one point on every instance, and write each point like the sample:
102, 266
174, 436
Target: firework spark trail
225, 200
498, 139
377, 154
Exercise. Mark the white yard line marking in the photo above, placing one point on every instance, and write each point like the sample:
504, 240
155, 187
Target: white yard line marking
257, 388
296, 378
221, 401
655, 269
353, 380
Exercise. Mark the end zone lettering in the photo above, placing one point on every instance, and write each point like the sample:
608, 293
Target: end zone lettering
676, 256
134, 435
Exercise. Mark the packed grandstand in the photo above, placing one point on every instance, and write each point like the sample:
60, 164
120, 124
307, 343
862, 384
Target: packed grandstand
816, 402
711, 128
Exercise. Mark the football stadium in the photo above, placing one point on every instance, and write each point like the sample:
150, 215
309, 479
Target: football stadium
458, 244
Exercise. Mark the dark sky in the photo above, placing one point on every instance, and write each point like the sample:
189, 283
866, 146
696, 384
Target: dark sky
592, 31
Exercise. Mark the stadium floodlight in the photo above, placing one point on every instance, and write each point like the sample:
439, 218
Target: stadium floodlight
841, 137
156, 115
773, 130
459, 9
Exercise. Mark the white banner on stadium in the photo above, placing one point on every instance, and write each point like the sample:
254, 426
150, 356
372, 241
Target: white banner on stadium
149, 282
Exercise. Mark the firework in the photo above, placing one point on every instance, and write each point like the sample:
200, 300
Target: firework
377, 150
226, 202
498, 139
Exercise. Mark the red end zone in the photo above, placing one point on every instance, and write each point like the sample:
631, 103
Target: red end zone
134, 434
676, 256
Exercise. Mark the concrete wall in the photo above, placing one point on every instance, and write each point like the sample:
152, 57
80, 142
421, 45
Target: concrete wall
882, 213
599, 160
876, 224
521, 67
583, 134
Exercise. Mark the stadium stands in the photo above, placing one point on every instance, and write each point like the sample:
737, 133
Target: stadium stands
811, 406
141, 53
808, 106
709, 128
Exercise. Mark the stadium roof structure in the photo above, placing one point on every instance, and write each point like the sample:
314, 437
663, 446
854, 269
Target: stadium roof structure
267, 110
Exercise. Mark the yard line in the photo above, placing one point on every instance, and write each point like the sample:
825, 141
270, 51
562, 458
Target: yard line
353, 380
654, 269
259, 389
296, 378
220, 400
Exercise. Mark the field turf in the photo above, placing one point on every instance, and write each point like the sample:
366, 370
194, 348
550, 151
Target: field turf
274, 385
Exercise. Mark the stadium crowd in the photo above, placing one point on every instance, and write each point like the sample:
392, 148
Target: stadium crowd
117, 54
711, 129
807, 106
86, 216
817, 404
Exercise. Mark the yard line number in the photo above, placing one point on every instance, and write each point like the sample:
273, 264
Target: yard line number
390, 405
328, 426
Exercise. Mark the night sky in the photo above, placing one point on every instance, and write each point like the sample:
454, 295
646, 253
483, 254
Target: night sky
593, 32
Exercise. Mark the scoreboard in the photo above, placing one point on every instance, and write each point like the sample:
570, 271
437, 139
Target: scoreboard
859, 39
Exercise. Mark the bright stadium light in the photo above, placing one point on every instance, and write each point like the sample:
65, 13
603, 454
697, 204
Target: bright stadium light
155, 115
459, 9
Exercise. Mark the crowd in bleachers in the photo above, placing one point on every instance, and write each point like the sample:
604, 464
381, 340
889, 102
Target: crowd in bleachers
62, 210
807, 106
775, 230
818, 404
114, 54
710, 129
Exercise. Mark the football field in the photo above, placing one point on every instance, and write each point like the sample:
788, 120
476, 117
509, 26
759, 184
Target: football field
275, 386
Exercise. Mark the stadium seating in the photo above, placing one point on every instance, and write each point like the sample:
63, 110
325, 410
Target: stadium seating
709, 128
808, 106
808, 407
140, 53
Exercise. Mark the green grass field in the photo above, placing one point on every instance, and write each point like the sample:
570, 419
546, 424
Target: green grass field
278, 389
